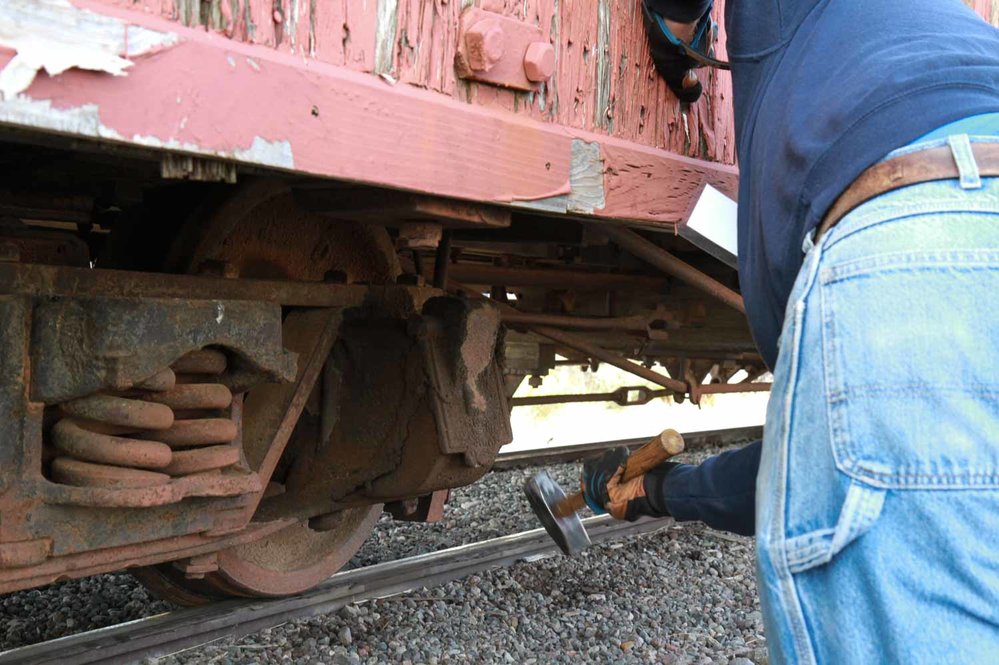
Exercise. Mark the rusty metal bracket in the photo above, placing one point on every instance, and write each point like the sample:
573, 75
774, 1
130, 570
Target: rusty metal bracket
503, 51
260, 435
427, 508
654, 255
81, 345
459, 338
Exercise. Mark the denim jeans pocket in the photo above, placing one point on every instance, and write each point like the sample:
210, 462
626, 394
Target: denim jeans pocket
910, 348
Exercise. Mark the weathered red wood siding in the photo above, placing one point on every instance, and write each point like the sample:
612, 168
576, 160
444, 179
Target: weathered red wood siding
604, 80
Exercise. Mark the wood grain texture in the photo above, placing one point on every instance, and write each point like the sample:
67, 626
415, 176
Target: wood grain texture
272, 87
604, 80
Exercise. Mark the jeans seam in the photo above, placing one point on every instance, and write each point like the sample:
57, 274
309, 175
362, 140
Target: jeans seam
870, 214
920, 261
789, 591
796, 620
837, 418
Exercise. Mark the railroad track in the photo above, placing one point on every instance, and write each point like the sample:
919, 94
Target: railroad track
187, 628
177, 631
563, 454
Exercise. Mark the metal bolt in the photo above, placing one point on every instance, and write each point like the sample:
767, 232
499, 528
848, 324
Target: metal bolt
278, 16
539, 62
484, 44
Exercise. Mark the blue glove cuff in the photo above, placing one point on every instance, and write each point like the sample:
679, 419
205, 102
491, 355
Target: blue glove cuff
697, 50
597, 509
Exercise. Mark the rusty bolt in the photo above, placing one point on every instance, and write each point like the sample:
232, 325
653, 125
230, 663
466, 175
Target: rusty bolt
539, 62
484, 44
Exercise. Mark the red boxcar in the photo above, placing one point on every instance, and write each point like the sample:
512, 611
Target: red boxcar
269, 267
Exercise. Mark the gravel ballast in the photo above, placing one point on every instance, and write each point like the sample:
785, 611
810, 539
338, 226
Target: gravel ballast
684, 594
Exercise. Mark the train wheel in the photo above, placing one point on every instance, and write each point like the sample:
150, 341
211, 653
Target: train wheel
261, 233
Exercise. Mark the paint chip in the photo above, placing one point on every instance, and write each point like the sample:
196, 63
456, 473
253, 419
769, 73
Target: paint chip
55, 36
269, 153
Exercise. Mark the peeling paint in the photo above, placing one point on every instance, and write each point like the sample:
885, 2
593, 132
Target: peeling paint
56, 36
586, 176
385, 36
586, 183
269, 153
80, 121
601, 106
472, 142
85, 121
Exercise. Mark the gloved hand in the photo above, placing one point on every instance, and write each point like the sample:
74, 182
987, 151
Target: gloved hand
604, 489
672, 60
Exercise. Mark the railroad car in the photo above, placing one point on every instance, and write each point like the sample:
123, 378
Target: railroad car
269, 268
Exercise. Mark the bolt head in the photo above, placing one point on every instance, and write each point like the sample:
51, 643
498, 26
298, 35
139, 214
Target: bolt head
484, 44
539, 62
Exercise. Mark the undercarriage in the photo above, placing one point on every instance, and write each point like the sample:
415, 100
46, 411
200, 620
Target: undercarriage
220, 387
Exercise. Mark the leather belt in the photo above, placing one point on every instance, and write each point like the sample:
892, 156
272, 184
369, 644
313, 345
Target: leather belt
904, 170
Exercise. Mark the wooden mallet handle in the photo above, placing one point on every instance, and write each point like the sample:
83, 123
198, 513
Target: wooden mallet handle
652, 454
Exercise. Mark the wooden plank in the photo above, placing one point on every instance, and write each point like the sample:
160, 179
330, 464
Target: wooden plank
211, 96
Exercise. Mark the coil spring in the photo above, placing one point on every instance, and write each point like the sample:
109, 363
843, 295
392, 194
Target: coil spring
168, 426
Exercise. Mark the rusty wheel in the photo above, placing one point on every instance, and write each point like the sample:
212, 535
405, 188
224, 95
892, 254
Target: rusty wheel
261, 233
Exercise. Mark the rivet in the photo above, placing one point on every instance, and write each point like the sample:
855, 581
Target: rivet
539, 62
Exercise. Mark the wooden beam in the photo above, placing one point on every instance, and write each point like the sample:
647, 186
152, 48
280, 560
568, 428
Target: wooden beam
201, 94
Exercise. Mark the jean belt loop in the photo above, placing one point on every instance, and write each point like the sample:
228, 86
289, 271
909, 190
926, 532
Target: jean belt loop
960, 147
808, 242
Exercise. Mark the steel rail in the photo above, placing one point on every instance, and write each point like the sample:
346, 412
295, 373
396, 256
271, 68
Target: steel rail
575, 453
177, 631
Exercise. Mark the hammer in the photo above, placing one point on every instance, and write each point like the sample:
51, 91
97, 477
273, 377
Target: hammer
559, 513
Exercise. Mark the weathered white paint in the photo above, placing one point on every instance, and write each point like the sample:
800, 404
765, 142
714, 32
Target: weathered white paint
267, 153
601, 106
586, 177
56, 36
85, 121
385, 36
586, 182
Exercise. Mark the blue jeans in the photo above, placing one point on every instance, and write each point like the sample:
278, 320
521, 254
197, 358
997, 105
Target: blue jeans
877, 503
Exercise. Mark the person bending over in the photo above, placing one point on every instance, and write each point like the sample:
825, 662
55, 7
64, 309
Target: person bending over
868, 143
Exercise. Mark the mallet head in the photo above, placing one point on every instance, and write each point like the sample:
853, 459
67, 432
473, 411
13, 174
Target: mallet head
543, 493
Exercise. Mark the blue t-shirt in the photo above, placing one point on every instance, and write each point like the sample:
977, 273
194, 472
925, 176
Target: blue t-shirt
823, 89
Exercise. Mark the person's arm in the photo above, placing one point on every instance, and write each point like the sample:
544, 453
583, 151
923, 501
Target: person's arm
687, 21
721, 491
